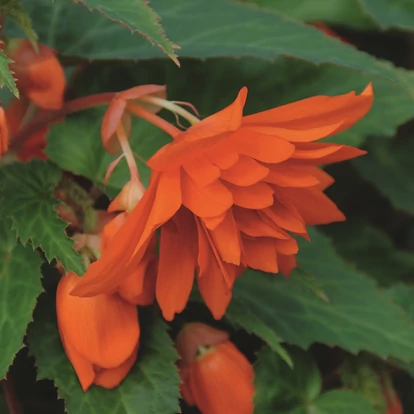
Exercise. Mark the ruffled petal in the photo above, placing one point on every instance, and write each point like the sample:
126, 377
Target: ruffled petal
286, 263
202, 171
207, 201
284, 215
285, 175
256, 196
260, 253
313, 205
245, 172
177, 263
226, 238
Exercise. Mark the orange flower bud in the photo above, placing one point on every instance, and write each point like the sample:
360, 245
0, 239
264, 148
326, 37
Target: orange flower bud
39, 75
4, 135
128, 198
100, 334
216, 376
392, 399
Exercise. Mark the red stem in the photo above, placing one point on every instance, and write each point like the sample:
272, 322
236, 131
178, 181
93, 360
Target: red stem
74, 105
10, 396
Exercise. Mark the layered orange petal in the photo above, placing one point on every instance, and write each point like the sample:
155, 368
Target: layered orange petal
177, 263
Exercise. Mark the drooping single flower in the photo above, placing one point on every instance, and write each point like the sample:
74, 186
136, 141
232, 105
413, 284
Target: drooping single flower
100, 335
215, 375
16, 112
4, 133
229, 193
39, 74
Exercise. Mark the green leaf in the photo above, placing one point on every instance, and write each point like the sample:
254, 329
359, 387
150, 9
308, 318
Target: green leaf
390, 13
340, 12
252, 324
137, 16
14, 10
203, 29
26, 194
6, 76
372, 252
356, 318
388, 166
340, 402
75, 145
280, 388
151, 387
20, 285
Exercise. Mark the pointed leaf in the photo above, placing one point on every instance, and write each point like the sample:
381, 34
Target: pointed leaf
20, 285
26, 195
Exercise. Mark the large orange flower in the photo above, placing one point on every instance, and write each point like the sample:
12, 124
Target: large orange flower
228, 193
39, 74
100, 335
215, 375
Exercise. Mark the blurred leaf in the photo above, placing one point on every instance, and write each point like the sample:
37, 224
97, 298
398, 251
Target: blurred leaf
14, 10
390, 13
26, 195
356, 318
403, 295
6, 76
372, 252
389, 167
203, 29
280, 388
238, 315
135, 15
339, 12
20, 285
151, 387
339, 402
75, 145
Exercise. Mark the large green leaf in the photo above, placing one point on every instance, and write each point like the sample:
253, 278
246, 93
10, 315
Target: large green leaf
279, 389
203, 29
26, 195
135, 15
390, 169
340, 12
75, 145
151, 387
390, 13
20, 285
372, 252
356, 317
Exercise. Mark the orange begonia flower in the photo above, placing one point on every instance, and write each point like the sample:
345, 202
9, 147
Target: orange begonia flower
138, 287
4, 133
227, 194
215, 375
32, 148
39, 75
100, 335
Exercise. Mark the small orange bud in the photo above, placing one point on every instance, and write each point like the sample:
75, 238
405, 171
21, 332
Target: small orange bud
4, 135
394, 405
215, 375
100, 334
129, 197
39, 74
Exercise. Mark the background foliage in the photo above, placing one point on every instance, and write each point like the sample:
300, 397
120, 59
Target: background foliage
352, 292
